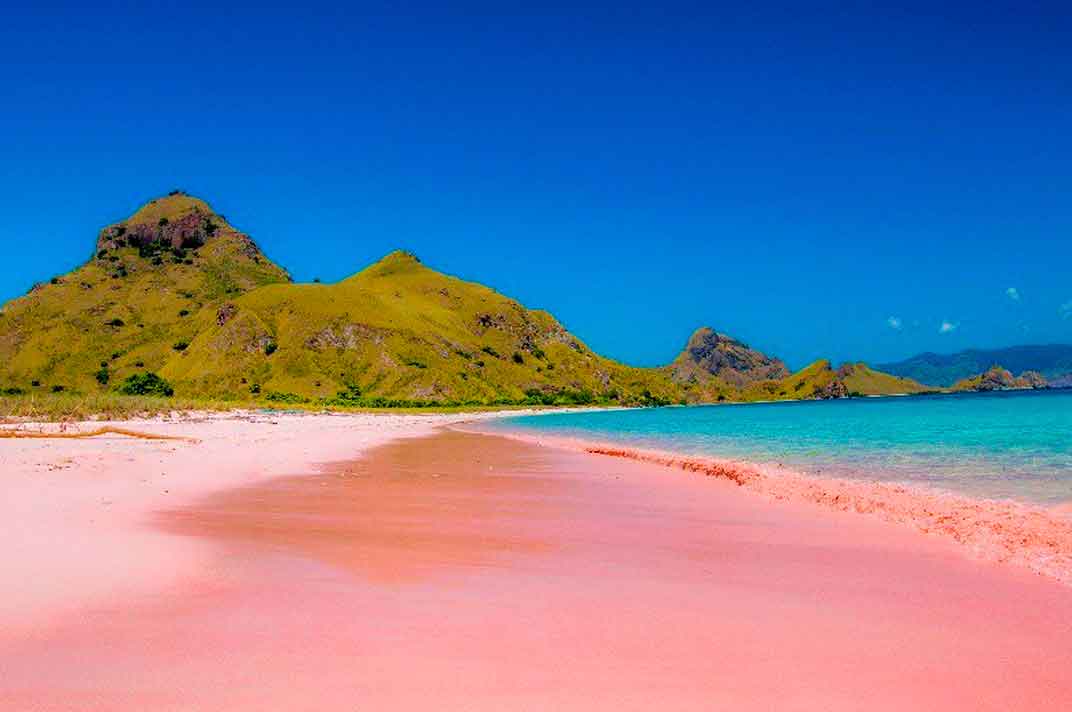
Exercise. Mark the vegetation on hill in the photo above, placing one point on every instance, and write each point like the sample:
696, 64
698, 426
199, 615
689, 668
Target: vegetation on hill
175, 301
143, 290
819, 380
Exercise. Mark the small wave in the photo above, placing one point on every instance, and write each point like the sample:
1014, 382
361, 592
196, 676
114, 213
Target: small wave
1036, 538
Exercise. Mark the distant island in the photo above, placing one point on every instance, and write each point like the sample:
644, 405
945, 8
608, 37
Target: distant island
175, 300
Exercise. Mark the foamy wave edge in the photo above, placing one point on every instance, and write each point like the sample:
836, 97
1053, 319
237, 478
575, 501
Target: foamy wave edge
1003, 531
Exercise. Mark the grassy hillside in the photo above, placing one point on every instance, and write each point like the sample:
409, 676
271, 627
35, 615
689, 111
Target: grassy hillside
399, 330
861, 379
124, 310
820, 380
175, 290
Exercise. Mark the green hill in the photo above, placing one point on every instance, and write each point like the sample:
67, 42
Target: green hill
145, 289
175, 290
399, 330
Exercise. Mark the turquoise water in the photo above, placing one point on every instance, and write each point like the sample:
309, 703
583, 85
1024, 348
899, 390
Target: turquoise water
1011, 445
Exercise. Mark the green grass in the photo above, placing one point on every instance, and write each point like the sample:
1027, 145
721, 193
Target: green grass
96, 406
65, 407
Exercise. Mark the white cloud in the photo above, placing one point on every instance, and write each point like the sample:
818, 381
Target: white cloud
895, 323
1013, 293
1066, 310
947, 326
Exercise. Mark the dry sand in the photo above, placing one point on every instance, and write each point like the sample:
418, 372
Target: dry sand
470, 572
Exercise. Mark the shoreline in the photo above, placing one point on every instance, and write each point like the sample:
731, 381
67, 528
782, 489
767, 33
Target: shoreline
1011, 532
476, 572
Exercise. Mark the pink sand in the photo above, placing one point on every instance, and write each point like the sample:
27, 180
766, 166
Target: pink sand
1034, 537
468, 572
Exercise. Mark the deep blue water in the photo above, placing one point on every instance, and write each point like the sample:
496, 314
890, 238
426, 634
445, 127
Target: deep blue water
998, 445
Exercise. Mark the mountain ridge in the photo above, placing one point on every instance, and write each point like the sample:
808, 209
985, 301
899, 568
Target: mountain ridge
944, 370
176, 290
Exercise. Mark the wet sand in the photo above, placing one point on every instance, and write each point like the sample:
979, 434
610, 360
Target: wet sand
472, 572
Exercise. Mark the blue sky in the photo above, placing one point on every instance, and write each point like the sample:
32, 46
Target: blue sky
819, 180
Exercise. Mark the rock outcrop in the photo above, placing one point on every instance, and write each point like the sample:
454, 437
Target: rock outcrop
713, 354
997, 378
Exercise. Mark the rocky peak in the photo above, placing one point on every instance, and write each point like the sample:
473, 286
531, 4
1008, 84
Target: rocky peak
176, 221
710, 352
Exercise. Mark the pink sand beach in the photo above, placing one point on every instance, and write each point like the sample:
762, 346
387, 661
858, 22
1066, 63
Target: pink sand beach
383, 563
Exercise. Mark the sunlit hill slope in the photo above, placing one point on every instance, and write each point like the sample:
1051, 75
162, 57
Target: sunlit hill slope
177, 291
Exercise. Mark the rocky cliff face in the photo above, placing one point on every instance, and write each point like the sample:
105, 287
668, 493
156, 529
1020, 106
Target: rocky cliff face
709, 353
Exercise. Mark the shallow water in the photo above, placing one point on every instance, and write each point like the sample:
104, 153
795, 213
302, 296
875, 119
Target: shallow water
1009, 445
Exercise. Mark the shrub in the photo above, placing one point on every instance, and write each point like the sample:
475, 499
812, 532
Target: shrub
351, 396
255, 388
415, 363
277, 397
180, 345
115, 322
518, 358
146, 384
163, 222
58, 389
13, 391
103, 376
490, 352
35, 384
184, 312
648, 400
270, 348
139, 364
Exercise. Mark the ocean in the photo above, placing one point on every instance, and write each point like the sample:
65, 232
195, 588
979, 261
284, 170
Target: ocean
1008, 445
